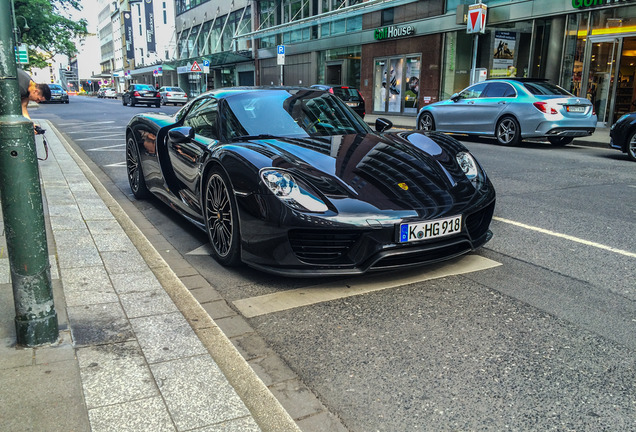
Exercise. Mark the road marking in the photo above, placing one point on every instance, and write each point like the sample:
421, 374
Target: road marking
118, 164
206, 249
116, 147
291, 299
84, 123
101, 138
567, 237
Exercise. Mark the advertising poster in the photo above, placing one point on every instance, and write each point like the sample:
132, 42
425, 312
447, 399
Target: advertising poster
150, 26
128, 35
503, 54
412, 92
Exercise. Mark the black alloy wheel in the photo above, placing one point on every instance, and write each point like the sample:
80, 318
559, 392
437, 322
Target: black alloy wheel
508, 131
560, 141
132, 101
426, 122
135, 173
221, 219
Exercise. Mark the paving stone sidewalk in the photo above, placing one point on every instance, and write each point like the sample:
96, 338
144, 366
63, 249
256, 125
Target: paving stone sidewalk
127, 358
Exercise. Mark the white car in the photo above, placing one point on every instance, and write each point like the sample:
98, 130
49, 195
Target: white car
110, 93
173, 95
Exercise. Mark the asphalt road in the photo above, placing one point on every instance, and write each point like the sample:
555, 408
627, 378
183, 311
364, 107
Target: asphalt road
542, 338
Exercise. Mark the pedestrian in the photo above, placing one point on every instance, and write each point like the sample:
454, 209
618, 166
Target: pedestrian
30, 91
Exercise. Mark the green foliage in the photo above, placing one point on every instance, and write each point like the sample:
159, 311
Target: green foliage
50, 31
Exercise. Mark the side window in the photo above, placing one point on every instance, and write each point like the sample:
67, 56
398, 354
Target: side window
473, 92
203, 118
499, 90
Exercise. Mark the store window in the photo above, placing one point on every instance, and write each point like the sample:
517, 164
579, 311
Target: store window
504, 51
396, 84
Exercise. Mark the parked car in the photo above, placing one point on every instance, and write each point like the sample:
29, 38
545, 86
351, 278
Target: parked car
291, 181
141, 94
623, 135
58, 94
110, 93
511, 110
350, 95
173, 95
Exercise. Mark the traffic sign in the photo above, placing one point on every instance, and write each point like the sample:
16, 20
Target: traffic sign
206, 66
476, 18
281, 49
195, 67
280, 58
22, 54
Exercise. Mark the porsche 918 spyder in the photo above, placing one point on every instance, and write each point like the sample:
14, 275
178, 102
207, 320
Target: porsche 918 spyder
290, 181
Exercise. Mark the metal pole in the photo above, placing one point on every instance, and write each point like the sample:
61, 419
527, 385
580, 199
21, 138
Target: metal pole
23, 213
473, 70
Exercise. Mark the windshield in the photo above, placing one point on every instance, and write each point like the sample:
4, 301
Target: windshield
291, 113
55, 87
144, 87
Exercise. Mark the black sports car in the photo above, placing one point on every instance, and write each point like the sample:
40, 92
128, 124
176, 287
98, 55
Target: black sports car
291, 181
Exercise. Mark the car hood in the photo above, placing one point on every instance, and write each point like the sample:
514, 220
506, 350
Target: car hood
397, 171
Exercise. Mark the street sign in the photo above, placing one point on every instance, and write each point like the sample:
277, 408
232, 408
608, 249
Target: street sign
280, 59
22, 54
195, 67
281, 49
206, 66
476, 22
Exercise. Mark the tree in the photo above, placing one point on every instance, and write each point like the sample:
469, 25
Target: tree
50, 32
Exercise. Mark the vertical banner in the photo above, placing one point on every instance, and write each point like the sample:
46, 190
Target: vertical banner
150, 26
128, 35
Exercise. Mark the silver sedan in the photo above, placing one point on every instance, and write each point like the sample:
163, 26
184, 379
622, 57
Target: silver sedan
511, 110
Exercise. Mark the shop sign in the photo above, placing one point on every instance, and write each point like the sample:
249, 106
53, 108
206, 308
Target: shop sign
578, 4
393, 32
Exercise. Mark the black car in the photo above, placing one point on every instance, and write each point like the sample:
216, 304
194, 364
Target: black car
350, 95
141, 94
58, 94
291, 181
623, 135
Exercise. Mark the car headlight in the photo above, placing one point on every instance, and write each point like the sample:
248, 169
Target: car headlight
469, 166
290, 191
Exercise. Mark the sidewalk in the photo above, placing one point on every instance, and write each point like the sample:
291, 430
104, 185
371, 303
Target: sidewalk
127, 358
600, 138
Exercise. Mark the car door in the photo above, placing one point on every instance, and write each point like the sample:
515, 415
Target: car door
187, 154
455, 114
488, 107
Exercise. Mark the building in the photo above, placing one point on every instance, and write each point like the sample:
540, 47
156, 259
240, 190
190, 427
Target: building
404, 54
136, 38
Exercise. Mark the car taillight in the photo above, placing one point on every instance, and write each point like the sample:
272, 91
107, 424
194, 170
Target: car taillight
169, 94
136, 93
543, 107
185, 95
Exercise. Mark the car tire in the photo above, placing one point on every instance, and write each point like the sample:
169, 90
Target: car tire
163, 101
560, 141
123, 101
132, 101
221, 219
426, 122
158, 104
508, 131
134, 171
630, 147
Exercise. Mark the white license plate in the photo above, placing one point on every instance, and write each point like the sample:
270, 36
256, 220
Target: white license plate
575, 108
353, 104
417, 231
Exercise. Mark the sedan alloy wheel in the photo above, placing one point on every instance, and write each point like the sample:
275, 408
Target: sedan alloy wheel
507, 131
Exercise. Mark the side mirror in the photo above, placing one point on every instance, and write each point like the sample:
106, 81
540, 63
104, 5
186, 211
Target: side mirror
455, 97
181, 134
382, 124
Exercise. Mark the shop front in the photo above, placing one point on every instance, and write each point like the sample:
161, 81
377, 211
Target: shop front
603, 67
405, 73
